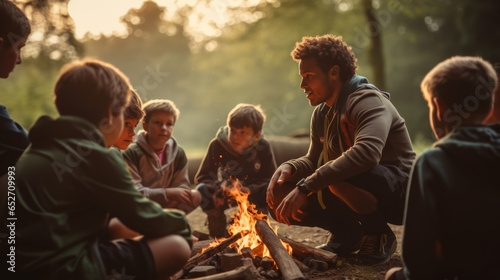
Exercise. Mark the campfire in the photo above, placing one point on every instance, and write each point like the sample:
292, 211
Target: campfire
244, 221
253, 250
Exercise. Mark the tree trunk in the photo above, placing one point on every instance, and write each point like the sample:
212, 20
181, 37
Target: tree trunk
375, 51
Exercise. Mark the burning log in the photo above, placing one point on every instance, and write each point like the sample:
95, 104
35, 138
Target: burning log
192, 262
199, 246
285, 263
303, 251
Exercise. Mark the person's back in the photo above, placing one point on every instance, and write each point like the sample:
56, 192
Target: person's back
60, 180
452, 218
459, 186
68, 184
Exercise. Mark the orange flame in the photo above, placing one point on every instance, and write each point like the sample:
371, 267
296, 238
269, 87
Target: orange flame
245, 220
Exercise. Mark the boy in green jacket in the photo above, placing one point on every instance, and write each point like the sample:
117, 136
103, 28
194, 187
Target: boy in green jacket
68, 183
452, 216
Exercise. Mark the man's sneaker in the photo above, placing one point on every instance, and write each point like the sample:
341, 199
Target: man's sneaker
341, 246
377, 249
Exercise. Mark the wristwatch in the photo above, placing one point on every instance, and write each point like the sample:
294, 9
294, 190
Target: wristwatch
301, 185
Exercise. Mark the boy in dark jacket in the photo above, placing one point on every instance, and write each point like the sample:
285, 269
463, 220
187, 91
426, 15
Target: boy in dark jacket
452, 217
14, 31
68, 184
237, 152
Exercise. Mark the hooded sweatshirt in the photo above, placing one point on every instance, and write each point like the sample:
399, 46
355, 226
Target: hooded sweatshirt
452, 218
371, 132
254, 167
150, 176
67, 185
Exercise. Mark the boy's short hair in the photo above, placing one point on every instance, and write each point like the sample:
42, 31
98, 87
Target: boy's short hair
134, 109
89, 88
246, 115
160, 105
13, 23
462, 80
328, 50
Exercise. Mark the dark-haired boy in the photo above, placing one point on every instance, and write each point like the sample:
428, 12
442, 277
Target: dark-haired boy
68, 183
132, 116
452, 218
238, 151
14, 31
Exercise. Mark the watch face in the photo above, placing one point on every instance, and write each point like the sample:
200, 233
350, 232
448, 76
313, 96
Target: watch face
301, 185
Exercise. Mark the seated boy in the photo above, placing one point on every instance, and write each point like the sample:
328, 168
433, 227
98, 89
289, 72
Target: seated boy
132, 115
452, 219
14, 31
68, 183
157, 163
237, 152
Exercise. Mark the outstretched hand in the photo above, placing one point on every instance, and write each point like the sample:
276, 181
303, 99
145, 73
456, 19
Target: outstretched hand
180, 195
291, 207
279, 177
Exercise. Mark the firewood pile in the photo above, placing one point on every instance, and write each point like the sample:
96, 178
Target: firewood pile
253, 250
224, 262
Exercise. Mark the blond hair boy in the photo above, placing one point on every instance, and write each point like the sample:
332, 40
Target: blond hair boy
157, 163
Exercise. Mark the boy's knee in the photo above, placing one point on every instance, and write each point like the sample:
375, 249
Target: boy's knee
170, 254
180, 245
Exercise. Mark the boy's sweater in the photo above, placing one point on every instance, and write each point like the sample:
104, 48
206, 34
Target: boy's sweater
253, 168
452, 221
150, 176
68, 184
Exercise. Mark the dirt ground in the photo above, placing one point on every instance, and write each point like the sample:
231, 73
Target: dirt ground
346, 269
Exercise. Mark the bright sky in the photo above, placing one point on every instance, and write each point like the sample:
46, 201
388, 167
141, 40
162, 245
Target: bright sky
103, 16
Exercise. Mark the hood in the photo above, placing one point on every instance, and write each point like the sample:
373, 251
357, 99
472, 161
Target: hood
474, 142
358, 82
47, 130
222, 136
349, 87
171, 148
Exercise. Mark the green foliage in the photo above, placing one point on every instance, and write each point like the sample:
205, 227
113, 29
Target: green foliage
28, 93
251, 62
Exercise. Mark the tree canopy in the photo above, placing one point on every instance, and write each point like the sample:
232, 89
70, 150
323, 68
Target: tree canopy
246, 56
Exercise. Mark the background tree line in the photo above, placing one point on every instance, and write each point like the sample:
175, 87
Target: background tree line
248, 60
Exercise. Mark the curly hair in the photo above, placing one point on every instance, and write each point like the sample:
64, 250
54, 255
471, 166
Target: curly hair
329, 50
